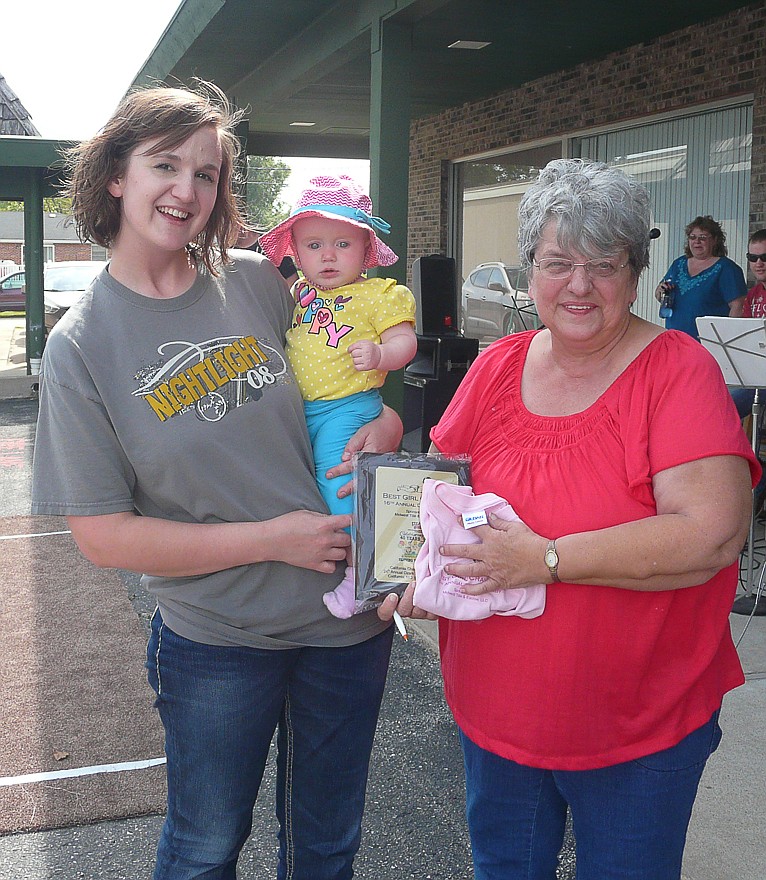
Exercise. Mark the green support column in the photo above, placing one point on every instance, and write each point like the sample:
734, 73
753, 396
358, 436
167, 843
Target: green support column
391, 54
33, 269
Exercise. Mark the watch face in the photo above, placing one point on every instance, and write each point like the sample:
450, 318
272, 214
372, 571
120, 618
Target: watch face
551, 558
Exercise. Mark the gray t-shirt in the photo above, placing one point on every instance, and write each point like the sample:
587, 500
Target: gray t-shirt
186, 409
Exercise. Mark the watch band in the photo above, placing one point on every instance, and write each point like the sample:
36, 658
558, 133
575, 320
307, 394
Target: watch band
552, 561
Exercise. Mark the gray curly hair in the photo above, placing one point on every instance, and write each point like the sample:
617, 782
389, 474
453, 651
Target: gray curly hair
598, 210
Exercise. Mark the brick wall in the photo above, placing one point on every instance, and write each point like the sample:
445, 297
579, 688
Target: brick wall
10, 251
721, 59
74, 251
67, 251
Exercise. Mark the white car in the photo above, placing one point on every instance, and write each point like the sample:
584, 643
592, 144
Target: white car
65, 283
496, 302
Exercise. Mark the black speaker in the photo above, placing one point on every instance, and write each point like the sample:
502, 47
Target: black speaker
434, 286
430, 381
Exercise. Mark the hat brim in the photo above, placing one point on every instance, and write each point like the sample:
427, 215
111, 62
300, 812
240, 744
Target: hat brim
277, 243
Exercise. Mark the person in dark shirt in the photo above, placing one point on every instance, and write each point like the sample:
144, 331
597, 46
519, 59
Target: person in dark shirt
249, 240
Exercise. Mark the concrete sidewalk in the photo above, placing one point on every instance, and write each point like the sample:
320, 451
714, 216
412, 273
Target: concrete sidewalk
726, 837
14, 381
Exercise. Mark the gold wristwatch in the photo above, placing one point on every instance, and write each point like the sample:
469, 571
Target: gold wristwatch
552, 561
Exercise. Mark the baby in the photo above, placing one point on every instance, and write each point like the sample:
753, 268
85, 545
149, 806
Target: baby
347, 331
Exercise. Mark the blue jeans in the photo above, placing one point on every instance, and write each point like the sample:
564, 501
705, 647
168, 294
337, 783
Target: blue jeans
220, 707
743, 400
630, 820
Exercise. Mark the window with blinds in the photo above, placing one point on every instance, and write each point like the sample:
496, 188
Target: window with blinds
693, 165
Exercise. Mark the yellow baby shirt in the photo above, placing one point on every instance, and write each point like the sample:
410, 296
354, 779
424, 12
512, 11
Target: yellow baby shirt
326, 322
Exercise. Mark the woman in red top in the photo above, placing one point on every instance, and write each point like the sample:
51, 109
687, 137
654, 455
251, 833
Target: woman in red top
619, 447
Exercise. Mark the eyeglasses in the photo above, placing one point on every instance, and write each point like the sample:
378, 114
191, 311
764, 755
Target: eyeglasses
557, 268
753, 258
694, 237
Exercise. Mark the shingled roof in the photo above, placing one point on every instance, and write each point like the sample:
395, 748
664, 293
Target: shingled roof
14, 118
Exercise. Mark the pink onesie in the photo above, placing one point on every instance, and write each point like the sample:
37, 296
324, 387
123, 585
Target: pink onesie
440, 593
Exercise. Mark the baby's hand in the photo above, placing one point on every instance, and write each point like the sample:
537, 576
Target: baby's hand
365, 354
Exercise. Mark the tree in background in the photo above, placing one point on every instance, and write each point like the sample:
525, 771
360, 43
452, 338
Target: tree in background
57, 205
266, 178
490, 173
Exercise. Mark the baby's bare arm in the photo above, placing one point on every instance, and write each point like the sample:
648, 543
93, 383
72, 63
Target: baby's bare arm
396, 349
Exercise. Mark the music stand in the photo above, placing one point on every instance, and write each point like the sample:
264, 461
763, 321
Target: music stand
739, 347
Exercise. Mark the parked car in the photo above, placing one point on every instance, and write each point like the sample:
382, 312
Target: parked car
64, 283
12, 295
496, 302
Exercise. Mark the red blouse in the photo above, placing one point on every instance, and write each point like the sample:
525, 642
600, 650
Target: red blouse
605, 675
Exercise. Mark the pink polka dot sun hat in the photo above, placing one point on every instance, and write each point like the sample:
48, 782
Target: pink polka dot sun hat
335, 198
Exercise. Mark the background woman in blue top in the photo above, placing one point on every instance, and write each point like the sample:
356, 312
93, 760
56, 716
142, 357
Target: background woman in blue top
704, 281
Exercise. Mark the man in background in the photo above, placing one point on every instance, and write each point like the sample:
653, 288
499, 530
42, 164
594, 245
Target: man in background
755, 307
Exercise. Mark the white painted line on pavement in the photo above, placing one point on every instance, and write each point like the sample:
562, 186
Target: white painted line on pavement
36, 535
80, 771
